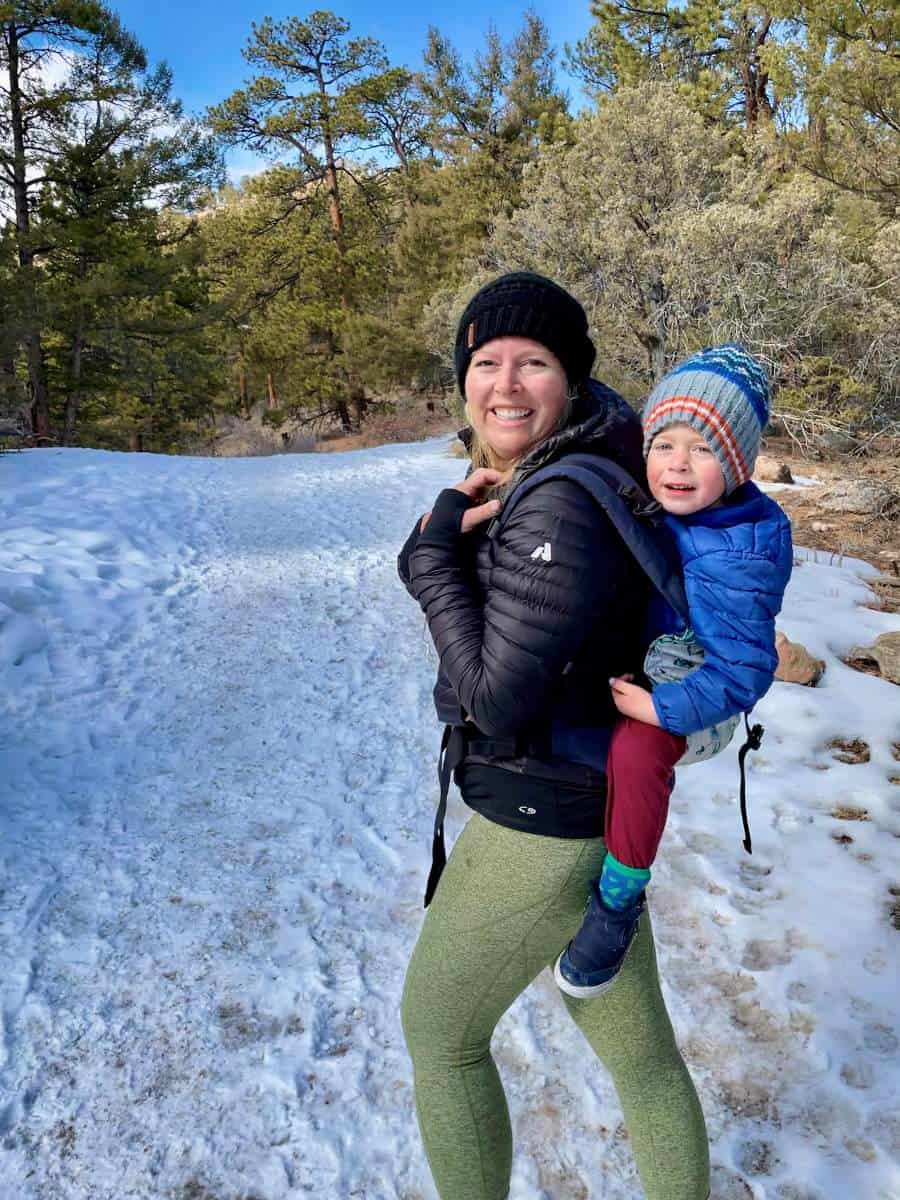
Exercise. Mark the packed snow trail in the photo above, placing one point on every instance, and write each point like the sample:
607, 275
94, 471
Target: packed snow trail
215, 807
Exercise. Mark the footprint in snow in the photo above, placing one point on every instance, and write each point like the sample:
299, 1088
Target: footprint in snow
761, 954
732, 983
858, 1074
884, 1129
726, 1185
759, 1024
757, 1157
798, 1191
754, 875
801, 991
702, 843
880, 1038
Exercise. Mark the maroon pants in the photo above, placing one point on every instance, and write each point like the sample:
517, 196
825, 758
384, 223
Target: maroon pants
640, 776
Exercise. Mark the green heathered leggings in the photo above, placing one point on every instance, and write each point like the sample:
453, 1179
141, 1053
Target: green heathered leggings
508, 902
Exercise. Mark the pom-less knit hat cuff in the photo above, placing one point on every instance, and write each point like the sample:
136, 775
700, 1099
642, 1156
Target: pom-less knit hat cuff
523, 304
723, 394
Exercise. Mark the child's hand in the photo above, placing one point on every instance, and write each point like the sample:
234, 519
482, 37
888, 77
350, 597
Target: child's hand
633, 701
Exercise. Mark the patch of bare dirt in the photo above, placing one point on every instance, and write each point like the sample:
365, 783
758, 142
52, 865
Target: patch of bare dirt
408, 424
875, 538
844, 812
849, 750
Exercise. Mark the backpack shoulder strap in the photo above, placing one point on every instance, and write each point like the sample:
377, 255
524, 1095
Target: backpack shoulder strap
626, 506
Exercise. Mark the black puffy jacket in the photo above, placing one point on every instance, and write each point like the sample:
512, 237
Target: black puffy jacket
528, 641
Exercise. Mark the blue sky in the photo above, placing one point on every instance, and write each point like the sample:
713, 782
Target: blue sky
202, 39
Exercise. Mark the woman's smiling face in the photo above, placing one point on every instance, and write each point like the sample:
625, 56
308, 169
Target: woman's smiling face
516, 393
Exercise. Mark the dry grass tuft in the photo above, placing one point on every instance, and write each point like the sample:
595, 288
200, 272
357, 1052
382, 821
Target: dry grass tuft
849, 750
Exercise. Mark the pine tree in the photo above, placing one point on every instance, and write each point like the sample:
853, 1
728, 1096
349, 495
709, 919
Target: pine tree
490, 119
120, 167
723, 53
315, 100
32, 114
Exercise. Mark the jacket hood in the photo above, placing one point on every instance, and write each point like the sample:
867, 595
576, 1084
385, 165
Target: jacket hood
601, 423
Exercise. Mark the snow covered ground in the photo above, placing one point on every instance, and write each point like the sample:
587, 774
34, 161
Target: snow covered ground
216, 796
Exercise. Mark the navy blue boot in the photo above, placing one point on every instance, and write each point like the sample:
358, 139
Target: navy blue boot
591, 961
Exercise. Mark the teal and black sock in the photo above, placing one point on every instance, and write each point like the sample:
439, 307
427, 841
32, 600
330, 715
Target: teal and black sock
620, 886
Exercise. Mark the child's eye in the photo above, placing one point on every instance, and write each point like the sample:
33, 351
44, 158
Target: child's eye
661, 446
702, 449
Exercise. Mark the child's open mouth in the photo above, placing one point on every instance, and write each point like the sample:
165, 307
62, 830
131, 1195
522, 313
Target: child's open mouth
680, 487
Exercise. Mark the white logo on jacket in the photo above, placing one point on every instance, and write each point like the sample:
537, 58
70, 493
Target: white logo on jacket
542, 552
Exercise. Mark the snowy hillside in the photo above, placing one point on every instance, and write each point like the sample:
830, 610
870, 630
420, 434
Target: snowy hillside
216, 797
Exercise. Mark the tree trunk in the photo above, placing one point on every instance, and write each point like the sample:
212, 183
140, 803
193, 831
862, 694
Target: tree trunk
755, 80
37, 373
343, 413
242, 386
656, 358
335, 210
655, 341
351, 417
817, 127
136, 440
9, 386
750, 110
73, 395
359, 404
270, 387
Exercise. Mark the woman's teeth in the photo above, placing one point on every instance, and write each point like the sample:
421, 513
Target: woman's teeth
511, 414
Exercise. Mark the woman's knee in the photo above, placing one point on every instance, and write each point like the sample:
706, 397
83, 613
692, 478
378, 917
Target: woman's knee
429, 1017
413, 1013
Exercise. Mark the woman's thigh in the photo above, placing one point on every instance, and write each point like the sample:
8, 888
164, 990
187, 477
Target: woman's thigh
507, 903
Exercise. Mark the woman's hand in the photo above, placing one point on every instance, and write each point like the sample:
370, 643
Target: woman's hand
474, 487
633, 701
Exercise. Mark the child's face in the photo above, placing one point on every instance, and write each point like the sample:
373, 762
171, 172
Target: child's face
683, 473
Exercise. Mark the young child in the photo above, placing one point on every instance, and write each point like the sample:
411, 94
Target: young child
702, 428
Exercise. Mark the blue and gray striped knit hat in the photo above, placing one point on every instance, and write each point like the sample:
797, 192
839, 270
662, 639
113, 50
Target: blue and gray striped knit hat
723, 393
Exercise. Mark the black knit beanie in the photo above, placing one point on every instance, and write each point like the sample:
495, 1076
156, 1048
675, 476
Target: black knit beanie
522, 304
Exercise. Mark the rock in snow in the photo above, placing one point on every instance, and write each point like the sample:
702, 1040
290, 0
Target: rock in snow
885, 652
771, 470
796, 664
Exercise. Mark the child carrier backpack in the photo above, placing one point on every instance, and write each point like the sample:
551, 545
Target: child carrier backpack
637, 520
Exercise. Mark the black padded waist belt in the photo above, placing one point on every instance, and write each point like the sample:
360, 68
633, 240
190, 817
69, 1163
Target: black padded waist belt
515, 756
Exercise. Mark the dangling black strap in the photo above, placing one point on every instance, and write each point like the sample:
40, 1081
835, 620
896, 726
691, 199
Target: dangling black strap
453, 751
753, 742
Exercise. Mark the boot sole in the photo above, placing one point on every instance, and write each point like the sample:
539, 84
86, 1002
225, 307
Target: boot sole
578, 992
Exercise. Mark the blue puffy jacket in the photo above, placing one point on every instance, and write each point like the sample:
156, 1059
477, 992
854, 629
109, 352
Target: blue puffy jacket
737, 561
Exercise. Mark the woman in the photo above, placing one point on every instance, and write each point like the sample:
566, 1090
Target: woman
530, 618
